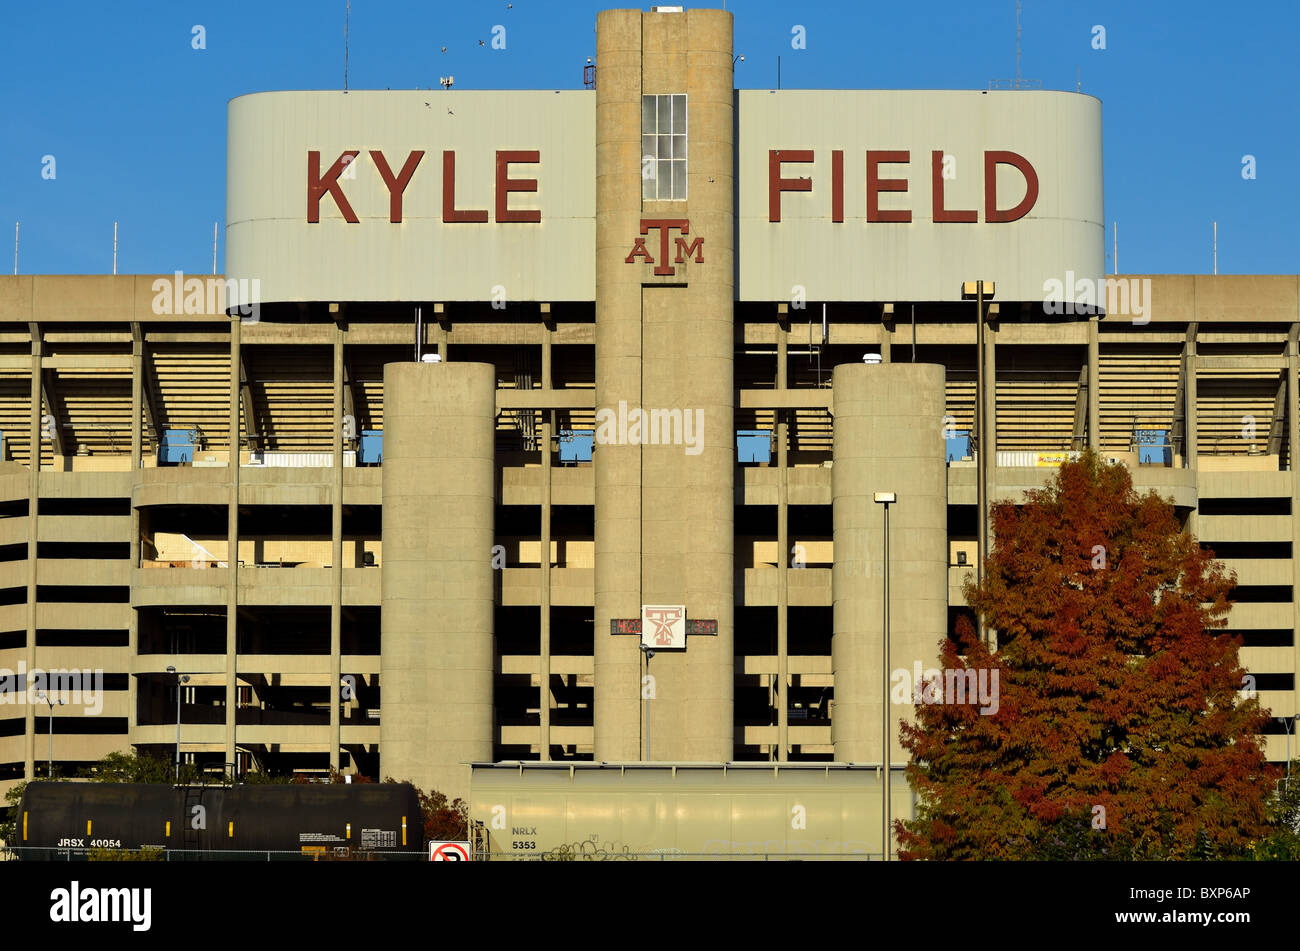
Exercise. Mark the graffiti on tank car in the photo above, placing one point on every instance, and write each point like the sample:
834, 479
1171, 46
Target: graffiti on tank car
590, 849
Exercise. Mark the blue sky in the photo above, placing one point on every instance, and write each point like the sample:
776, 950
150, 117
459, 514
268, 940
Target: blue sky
136, 118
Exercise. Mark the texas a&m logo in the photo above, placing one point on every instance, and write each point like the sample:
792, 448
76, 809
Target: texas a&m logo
663, 625
683, 249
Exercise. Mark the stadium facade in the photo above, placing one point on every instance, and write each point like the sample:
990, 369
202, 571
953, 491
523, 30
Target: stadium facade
650, 424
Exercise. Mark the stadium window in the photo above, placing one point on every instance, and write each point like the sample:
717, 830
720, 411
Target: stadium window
663, 148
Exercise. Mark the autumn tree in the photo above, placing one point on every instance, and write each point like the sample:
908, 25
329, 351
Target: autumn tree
444, 820
1120, 731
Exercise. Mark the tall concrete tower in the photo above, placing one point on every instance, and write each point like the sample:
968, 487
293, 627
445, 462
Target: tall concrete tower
888, 438
665, 292
437, 621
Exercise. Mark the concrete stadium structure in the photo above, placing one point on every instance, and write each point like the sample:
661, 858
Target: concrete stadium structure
190, 489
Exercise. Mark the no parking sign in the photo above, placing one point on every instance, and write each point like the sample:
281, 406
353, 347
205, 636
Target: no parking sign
448, 851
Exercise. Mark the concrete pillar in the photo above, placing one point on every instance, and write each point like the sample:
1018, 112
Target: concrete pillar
437, 589
888, 438
1094, 383
133, 617
1190, 421
336, 555
232, 551
1292, 447
544, 596
33, 504
664, 524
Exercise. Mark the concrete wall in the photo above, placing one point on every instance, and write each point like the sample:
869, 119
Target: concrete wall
1058, 133
888, 438
437, 620
422, 257
663, 513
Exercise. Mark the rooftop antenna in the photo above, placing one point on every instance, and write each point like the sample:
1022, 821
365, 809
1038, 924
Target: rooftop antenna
1018, 82
1216, 247
214, 247
1018, 7
1115, 246
114, 247
1078, 79
15, 249
347, 18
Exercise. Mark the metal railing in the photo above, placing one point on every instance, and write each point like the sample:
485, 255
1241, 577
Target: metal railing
29, 854
561, 854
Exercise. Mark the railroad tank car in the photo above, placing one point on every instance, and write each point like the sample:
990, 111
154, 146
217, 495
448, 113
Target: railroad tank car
384, 818
661, 811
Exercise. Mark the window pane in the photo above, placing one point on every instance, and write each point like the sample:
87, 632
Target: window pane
679, 180
665, 146
665, 178
679, 114
648, 183
648, 147
679, 146
647, 115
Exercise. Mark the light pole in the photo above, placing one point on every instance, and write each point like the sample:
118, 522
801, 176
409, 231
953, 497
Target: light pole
885, 499
645, 700
986, 453
42, 695
180, 679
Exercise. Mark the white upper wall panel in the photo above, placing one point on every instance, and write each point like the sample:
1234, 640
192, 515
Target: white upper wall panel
421, 258
1058, 133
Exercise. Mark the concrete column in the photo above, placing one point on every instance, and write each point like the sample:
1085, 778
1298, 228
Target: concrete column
1094, 383
782, 588
544, 596
618, 378
664, 524
133, 617
437, 650
232, 554
336, 553
888, 438
1189, 412
783, 550
1293, 447
988, 460
33, 505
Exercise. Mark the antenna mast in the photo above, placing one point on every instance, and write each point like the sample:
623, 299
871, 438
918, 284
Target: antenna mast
347, 17
1018, 3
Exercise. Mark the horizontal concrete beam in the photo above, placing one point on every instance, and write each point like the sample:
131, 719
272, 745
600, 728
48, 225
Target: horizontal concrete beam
788, 399
1253, 361
545, 399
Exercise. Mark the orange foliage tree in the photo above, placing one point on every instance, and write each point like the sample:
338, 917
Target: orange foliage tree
1122, 729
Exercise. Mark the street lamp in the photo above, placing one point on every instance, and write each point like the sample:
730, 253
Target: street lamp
41, 695
180, 679
886, 499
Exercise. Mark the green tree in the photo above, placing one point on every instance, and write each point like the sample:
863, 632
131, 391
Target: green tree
1119, 732
1283, 841
137, 767
9, 816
